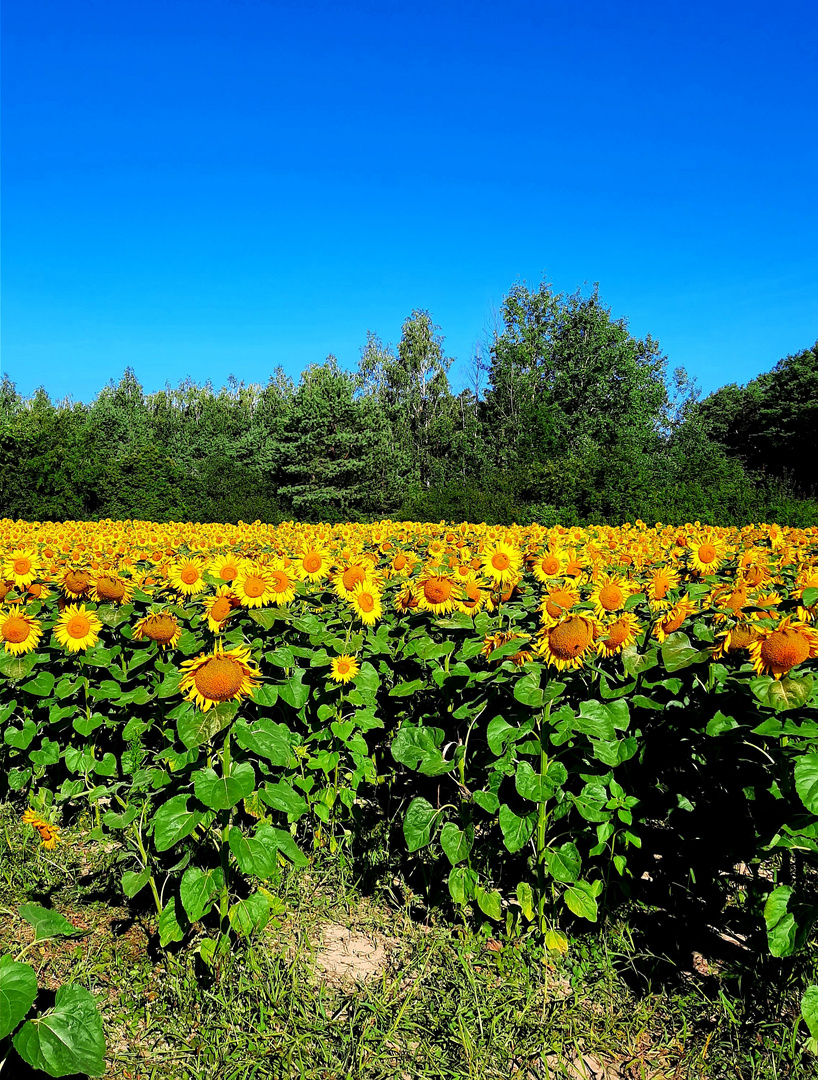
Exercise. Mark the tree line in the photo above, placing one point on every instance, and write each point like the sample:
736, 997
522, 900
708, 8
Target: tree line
567, 418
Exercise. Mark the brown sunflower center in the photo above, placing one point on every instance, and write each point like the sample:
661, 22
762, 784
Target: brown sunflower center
660, 587
707, 553
110, 588
161, 628
611, 597
22, 566
570, 639
366, 602
437, 590
342, 666
227, 573
783, 649
500, 561
77, 581
254, 585
280, 582
351, 576
399, 562
674, 620
617, 634
78, 626
558, 602
190, 575
741, 637
550, 564
312, 563
15, 630
221, 609
219, 679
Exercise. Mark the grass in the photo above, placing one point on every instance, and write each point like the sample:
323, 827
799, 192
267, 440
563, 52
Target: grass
440, 1000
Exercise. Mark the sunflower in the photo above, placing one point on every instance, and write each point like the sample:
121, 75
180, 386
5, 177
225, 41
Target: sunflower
225, 567
436, 591
501, 562
161, 627
254, 586
403, 563
75, 582
707, 553
19, 631
502, 637
347, 576
77, 628
472, 597
618, 634
609, 594
21, 567
565, 642
736, 640
185, 576
314, 564
212, 678
775, 652
366, 601
548, 564
218, 608
661, 582
558, 601
673, 618
344, 668
49, 834
110, 588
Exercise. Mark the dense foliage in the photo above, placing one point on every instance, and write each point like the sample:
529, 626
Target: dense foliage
567, 417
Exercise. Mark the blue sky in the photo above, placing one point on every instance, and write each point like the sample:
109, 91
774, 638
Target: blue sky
206, 187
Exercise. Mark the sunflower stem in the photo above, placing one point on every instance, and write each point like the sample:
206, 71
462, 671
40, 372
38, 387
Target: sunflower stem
542, 826
224, 904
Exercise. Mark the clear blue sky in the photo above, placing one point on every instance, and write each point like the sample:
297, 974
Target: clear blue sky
206, 187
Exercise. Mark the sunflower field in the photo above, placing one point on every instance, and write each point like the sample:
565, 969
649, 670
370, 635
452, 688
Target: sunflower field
559, 721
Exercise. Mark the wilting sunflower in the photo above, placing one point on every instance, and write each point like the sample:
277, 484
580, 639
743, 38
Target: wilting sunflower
218, 608
110, 588
212, 678
502, 637
75, 582
77, 628
775, 652
472, 597
344, 668
253, 586
673, 618
501, 562
185, 576
226, 567
436, 591
609, 594
406, 599
736, 640
49, 834
617, 635
21, 567
162, 627
565, 643
20, 632
366, 601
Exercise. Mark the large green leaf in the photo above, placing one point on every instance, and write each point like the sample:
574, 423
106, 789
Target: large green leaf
256, 855
20, 738
286, 845
46, 923
806, 781
67, 1039
781, 926
419, 748
170, 928
455, 842
195, 728
417, 825
265, 738
489, 901
581, 899
809, 1002
250, 914
294, 692
462, 882
223, 792
564, 862
18, 989
283, 796
198, 890
41, 685
516, 830
678, 653
527, 688
535, 787
595, 719
173, 821
782, 694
